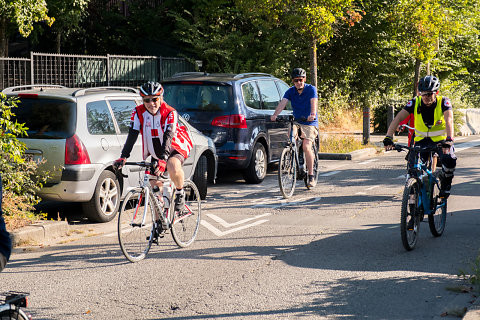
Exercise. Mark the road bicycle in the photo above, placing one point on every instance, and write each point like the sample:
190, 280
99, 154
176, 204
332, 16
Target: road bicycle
292, 165
146, 215
421, 196
11, 304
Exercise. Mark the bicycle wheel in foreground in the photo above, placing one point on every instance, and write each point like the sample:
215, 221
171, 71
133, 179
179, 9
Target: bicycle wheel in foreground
410, 220
287, 172
13, 315
315, 166
438, 217
187, 221
135, 225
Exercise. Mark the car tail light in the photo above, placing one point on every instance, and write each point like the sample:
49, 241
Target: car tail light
231, 121
28, 95
75, 152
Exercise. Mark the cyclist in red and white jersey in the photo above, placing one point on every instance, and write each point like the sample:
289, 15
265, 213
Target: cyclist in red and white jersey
163, 138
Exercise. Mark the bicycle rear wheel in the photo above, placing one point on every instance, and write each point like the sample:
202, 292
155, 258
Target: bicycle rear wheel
186, 222
17, 314
437, 218
135, 225
287, 172
410, 219
315, 167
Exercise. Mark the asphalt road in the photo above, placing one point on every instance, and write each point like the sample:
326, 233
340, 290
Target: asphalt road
330, 253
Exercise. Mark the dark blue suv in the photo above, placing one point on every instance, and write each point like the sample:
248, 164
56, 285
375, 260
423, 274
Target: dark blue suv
234, 110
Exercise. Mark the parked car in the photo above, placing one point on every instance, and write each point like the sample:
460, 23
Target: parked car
80, 132
234, 110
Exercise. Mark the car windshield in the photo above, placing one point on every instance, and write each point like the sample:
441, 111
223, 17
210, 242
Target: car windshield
46, 118
192, 96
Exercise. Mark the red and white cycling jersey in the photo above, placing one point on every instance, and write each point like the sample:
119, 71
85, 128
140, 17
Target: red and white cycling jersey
153, 127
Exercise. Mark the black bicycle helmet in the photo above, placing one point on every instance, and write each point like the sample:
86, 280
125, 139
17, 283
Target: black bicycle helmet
429, 84
298, 73
151, 88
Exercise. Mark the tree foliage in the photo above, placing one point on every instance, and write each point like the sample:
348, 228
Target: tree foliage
20, 15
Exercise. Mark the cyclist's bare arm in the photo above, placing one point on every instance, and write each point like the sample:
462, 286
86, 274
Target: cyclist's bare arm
313, 109
278, 109
398, 118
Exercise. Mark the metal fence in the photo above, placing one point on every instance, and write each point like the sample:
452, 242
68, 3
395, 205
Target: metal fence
88, 71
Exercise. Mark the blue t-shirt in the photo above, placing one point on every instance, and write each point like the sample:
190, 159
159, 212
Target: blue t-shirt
5, 242
301, 103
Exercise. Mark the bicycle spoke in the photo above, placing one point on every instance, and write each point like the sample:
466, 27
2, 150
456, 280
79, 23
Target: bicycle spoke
186, 222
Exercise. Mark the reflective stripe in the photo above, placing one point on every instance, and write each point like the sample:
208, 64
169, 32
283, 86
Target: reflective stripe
431, 133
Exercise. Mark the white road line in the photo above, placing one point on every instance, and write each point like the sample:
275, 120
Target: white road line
284, 203
368, 161
331, 173
467, 145
219, 233
372, 187
228, 225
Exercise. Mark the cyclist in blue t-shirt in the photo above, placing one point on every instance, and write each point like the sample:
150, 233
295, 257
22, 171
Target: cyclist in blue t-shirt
304, 98
5, 242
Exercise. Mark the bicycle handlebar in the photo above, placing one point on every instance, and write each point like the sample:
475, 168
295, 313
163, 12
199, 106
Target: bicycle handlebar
406, 126
400, 147
144, 164
290, 118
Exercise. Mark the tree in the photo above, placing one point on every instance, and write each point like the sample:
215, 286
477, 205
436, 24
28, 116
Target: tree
68, 14
20, 15
311, 19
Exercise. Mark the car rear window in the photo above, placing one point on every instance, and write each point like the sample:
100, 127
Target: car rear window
202, 97
47, 118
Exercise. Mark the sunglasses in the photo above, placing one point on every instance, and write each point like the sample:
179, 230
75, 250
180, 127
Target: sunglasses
147, 100
427, 94
298, 80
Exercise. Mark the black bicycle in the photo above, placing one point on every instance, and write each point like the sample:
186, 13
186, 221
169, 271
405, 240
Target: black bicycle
421, 197
292, 164
11, 304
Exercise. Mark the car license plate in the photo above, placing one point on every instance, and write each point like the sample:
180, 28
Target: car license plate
32, 157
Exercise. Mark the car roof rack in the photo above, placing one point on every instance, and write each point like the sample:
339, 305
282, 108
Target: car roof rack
30, 86
189, 73
241, 75
84, 91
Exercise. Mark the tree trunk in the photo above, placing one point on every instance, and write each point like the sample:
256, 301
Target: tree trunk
3, 37
313, 62
417, 76
58, 41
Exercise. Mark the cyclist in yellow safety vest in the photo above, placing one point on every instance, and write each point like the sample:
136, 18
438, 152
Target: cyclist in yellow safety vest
433, 125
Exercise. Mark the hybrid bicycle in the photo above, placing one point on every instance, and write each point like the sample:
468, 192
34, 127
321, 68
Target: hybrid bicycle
421, 196
145, 216
10, 307
292, 164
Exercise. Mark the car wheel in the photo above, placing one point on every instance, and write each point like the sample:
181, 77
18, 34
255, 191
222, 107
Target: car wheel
104, 204
257, 169
200, 177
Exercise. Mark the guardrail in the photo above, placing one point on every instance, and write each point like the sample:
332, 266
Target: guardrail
87, 70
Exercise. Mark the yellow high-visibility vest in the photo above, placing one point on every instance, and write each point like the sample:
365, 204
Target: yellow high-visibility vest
438, 131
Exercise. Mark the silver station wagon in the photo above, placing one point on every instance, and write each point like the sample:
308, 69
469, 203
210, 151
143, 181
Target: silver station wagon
80, 132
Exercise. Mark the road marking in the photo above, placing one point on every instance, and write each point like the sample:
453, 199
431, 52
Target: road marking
225, 224
331, 173
467, 145
368, 161
228, 225
284, 202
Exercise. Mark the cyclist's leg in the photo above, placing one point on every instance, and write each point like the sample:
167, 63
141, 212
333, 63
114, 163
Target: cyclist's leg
309, 134
449, 162
175, 170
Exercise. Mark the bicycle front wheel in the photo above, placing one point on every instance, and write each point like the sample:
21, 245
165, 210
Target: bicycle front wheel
437, 218
13, 315
135, 225
287, 172
410, 219
186, 222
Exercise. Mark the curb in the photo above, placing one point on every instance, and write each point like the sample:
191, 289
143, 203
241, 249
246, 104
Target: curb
473, 313
38, 232
354, 155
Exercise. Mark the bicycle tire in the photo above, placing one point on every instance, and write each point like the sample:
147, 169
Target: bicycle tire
135, 238
437, 218
287, 172
186, 223
410, 219
17, 314
315, 167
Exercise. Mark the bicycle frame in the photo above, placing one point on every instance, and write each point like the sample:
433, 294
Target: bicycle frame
293, 143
